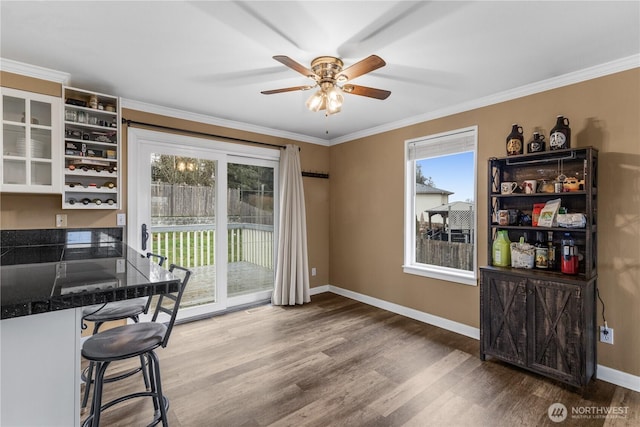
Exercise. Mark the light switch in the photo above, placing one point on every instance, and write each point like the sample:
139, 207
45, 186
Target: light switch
121, 219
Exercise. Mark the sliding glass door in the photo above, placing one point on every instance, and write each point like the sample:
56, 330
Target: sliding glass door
207, 208
250, 225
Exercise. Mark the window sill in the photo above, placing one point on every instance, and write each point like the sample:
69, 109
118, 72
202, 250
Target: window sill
442, 273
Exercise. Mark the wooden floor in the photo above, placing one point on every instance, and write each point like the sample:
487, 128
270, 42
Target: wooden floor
338, 362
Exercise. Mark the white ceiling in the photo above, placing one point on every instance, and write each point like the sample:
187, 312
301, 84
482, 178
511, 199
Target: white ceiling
214, 58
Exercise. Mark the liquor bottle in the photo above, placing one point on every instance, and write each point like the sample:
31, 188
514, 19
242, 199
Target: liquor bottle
542, 252
515, 140
551, 251
502, 249
536, 145
560, 137
71, 201
97, 201
86, 201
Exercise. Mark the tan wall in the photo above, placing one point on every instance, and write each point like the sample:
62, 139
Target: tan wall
367, 204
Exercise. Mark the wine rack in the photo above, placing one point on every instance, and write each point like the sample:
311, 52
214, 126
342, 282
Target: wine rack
91, 150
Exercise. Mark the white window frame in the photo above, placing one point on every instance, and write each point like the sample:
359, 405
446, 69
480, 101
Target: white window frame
438, 144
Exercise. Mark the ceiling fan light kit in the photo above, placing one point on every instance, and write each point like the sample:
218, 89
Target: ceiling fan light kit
327, 72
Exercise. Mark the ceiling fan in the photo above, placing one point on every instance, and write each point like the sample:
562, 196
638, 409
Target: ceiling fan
327, 73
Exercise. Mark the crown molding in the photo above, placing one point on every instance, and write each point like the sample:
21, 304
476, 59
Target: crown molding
601, 70
35, 71
590, 73
203, 118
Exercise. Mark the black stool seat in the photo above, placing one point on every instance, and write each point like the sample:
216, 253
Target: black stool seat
124, 342
115, 310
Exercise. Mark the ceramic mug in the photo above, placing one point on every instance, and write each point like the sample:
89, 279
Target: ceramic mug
530, 186
508, 187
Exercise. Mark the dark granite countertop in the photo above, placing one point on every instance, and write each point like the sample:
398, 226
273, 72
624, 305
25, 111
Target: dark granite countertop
41, 278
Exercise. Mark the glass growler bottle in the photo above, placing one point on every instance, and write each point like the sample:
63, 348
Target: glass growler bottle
560, 136
536, 145
502, 250
515, 140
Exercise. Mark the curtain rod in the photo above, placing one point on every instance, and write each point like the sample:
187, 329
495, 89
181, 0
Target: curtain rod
195, 132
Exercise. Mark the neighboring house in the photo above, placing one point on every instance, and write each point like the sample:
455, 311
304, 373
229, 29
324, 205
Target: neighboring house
428, 197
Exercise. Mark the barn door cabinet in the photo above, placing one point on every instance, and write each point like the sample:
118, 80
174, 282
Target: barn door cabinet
543, 320
545, 324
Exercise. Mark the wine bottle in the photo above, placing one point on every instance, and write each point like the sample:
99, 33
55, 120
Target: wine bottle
551, 252
542, 252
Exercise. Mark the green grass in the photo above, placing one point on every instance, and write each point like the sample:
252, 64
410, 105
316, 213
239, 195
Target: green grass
191, 248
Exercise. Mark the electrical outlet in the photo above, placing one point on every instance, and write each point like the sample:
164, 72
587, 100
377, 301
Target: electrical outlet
606, 334
313, 271
61, 220
121, 219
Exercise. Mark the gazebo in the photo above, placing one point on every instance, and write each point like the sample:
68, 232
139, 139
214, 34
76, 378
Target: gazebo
457, 218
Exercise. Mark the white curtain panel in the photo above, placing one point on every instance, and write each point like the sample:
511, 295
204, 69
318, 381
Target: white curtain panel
292, 267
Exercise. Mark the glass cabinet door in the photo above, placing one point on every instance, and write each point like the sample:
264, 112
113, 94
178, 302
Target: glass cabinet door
30, 142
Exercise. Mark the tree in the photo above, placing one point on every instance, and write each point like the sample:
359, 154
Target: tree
183, 170
248, 177
421, 179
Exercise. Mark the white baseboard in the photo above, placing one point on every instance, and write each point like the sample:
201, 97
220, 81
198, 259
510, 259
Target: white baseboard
411, 313
613, 376
619, 378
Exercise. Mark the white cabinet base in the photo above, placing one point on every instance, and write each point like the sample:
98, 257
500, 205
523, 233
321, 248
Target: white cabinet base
40, 369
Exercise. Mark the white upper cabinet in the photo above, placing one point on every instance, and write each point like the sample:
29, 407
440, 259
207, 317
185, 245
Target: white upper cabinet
31, 150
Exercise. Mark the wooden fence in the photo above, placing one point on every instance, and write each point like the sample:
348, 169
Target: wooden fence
445, 254
190, 201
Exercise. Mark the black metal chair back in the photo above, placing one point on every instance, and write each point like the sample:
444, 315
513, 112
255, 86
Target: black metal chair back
172, 311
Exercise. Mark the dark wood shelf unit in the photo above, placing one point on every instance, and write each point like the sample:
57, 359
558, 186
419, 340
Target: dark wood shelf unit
541, 320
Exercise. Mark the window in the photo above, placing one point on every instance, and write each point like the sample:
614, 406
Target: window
440, 208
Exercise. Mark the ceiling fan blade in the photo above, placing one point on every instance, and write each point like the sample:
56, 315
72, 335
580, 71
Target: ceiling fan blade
366, 91
365, 66
295, 66
286, 89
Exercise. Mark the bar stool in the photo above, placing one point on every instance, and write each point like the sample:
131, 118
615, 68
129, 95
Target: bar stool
113, 311
118, 310
134, 340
